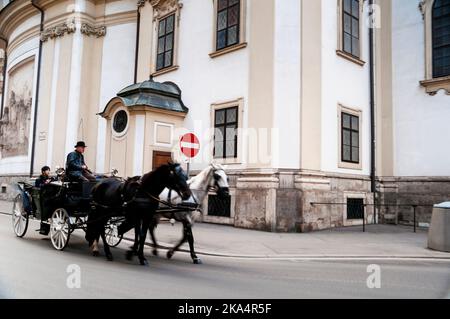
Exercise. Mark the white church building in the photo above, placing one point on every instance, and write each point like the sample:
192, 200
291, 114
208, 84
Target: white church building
324, 112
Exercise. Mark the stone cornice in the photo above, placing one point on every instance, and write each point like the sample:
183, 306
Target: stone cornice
58, 30
120, 18
15, 14
88, 29
23, 37
20, 10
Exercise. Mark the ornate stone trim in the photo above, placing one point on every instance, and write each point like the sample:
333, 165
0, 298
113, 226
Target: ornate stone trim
435, 85
58, 31
422, 7
163, 7
89, 30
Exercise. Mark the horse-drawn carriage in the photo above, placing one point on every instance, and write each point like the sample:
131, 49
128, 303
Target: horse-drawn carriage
114, 206
62, 206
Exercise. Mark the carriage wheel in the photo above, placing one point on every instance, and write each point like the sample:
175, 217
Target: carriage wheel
112, 233
60, 229
19, 217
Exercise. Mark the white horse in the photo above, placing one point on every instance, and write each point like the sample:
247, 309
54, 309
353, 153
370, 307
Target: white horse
212, 177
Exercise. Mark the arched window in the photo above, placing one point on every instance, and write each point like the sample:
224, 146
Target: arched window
441, 38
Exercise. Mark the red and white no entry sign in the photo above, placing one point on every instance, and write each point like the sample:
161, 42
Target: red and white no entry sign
190, 145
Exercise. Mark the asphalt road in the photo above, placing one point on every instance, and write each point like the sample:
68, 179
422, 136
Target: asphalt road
31, 268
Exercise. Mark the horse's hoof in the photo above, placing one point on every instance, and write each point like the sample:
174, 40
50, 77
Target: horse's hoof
155, 252
197, 261
95, 253
169, 254
129, 255
143, 262
110, 257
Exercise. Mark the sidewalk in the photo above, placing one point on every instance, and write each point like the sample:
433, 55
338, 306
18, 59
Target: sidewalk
383, 241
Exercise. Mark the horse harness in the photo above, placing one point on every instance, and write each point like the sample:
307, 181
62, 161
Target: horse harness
171, 208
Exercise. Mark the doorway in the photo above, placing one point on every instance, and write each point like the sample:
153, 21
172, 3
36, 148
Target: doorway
160, 158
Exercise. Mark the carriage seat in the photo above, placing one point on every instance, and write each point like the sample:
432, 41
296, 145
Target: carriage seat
80, 188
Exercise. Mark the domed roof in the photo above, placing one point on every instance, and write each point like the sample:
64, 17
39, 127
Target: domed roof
165, 96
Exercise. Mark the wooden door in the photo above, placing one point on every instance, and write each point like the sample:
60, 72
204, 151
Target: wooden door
160, 158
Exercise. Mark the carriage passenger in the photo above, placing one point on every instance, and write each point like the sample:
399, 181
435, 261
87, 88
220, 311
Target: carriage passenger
44, 178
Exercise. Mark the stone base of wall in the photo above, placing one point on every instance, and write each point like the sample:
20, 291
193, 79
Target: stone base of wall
8, 185
305, 201
403, 192
290, 201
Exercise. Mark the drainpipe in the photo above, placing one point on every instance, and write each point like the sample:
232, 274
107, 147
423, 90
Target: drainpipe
36, 99
372, 109
5, 64
136, 58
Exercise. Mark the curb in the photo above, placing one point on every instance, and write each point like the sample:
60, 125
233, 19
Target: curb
166, 246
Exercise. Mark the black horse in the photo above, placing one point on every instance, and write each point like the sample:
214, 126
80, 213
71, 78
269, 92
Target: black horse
211, 178
136, 199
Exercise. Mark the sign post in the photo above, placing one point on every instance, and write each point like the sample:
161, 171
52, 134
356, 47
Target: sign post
190, 146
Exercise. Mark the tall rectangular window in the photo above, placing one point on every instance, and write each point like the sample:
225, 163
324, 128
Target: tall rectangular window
228, 23
350, 138
441, 38
166, 32
351, 27
225, 133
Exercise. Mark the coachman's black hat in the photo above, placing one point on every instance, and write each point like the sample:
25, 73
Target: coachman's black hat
80, 144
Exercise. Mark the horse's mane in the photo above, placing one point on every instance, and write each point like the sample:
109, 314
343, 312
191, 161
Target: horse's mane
195, 181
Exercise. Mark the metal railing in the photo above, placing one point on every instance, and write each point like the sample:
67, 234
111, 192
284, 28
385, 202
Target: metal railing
413, 206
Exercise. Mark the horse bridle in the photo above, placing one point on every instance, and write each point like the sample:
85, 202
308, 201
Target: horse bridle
177, 171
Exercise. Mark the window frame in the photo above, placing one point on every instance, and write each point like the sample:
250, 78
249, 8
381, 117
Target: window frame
352, 131
227, 28
159, 16
355, 113
221, 220
368, 210
120, 135
239, 103
431, 84
165, 35
433, 20
241, 30
359, 60
225, 125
